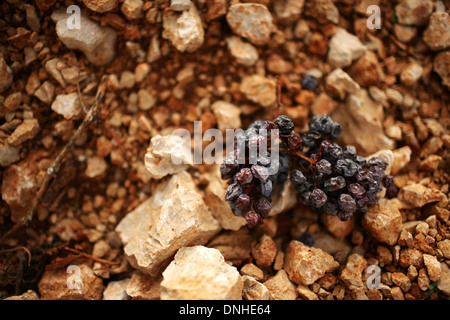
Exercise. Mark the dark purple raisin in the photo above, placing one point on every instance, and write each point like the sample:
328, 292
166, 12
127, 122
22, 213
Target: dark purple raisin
233, 191
243, 202
244, 176
324, 167
356, 190
318, 198
347, 203
335, 183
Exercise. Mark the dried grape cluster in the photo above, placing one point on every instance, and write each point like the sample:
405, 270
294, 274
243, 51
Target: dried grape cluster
327, 177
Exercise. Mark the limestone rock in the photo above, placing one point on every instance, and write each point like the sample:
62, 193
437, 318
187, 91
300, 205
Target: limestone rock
414, 12
361, 118
143, 287
334, 225
167, 155
244, 53
259, 89
27, 130
180, 5
280, 287
228, 115
352, 276
402, 156
411, 74
437, 35
95, 41
306, 293
324, 11
252, 21
78, 284
418, 195
344, 48
215, 200
67, 105
200, 273
441, 66
330, 244
288, 11
132, 9
51, 66
254, 290
101, 6
433, 267
173, 217
384, 221
305, 265
45, 92
184, 30
264, 251
367, 70
338, 83
116, 290
29, 295
96, 167
444, 283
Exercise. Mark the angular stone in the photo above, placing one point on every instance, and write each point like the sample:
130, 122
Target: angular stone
444, 283
254, 290
338, 83
384, 221
78, 284
96, 42
215, 200
184, 30
280, 287
216, 9
101, 6
288, 11
411, 256
116, 290
324, 11
45, 92
344, 48
96, 167
228, 115
367, 70
402, 281
329, 244
200, 273
418, 195
441, 66
27, 130
402, 156
444, 246
143, 287
167, 155
352, 276
414, 12
340, 229
433, 267
132, 9
361, 118
244, 53
19, 184
411, 74
173, 217
306, 293
259, 89
67, 105
264, 251
180, 5
305, 265
252, 21
437, 35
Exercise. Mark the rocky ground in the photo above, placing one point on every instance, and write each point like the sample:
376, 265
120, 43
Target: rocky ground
136, 226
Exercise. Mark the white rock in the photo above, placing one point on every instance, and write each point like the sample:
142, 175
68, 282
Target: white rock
338, 83
96, 42
167, 155
228, 116
288, 11
252, 21
254, 290
361, 118
180, 5
67, 105
146, 99
259, 89
132, 9
185, 31
27, 130
200, 273
411, 74
344, 48
244, 53
96, 167
51, 66
174, 216
116, 290
45, 92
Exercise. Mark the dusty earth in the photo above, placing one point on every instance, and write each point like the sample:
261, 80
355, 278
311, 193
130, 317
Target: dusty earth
117, 220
